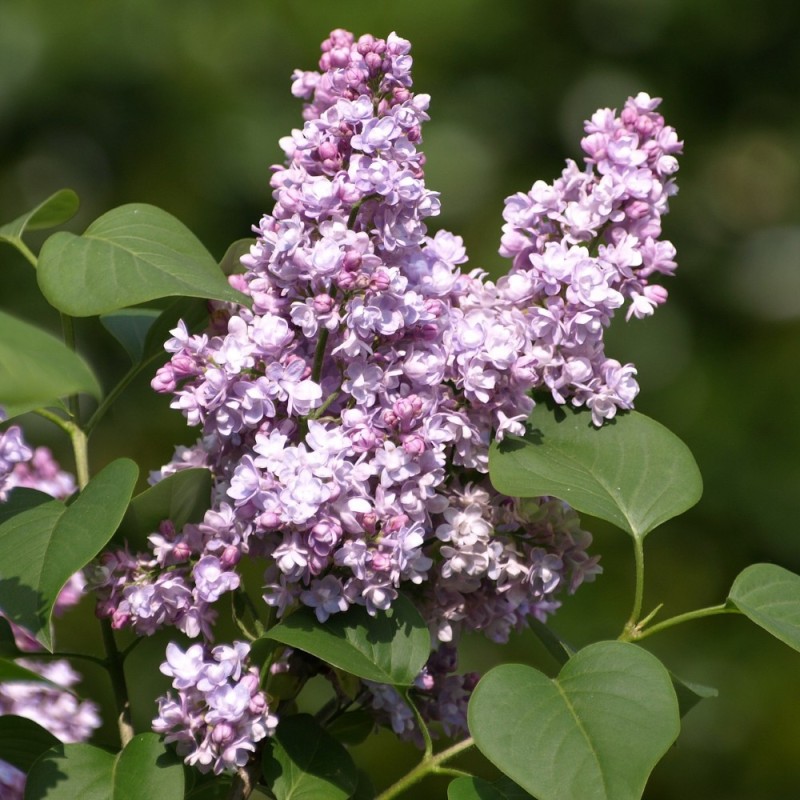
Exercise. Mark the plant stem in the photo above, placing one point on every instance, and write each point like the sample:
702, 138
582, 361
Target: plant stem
80, 445
116, 670
244, 781
638, 595
635, 633
27, 252
430, 765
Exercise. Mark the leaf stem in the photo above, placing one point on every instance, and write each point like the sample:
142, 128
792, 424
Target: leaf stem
116, 671
26, 251
638, 594
636, 632
430, 765
80, 444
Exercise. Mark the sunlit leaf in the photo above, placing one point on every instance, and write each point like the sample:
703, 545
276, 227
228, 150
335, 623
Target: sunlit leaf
769, 595
22, 741
36, 369
71, 772
181, 497
146, 769
593, 733
304, 762
130, 255
632, 472
42, 547
391, 647
55, 210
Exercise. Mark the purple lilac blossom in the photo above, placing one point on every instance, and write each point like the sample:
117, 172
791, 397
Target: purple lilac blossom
219, 714
346, 415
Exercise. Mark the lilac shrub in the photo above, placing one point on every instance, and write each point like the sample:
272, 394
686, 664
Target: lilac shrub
346, 414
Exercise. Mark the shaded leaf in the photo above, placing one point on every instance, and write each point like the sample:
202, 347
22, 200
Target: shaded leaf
22, 741
55, 210
21, 499
36, 369
391, 647
769, 595
145, 769
181, 497
130, 255
129, 326
71, 772
11, 671
42, 547
593, 733
306, 762
690, 694
8, 644
478, 789
231, 261
352, 727
632, 472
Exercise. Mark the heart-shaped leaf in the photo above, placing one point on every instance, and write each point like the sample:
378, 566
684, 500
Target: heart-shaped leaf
306, 763
55, 210
71, 772
130, 255
181, 497
593, 733
22, 741
145, 769
42, 547
36, 369
391, 647
769, 595
632, 472
352, 727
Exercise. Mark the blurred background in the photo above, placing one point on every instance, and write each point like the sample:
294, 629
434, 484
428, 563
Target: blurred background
181, 104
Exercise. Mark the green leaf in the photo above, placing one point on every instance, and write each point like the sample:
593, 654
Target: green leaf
306, 763
22, 741
21, 499
479, 789
11, 671
36, 369
632, 472
390, 647
55, 210
130, 255
593, 733
145, 769
42, 547
364, 790
129, 327
352, 727
71, 772
182, 497
769, 595
690, 694
231, 261
8, 644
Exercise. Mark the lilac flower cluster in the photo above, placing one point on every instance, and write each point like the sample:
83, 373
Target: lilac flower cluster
219, 713
588, 243
347, 412
32, 468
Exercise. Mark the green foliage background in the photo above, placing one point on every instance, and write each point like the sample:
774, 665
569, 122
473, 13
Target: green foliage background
181, 104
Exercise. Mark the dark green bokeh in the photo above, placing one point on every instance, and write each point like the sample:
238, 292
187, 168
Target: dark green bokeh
181, 104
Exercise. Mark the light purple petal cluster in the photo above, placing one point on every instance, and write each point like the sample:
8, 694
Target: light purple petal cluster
348, 413
29, 467
590, 243
57, 710
218, 714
